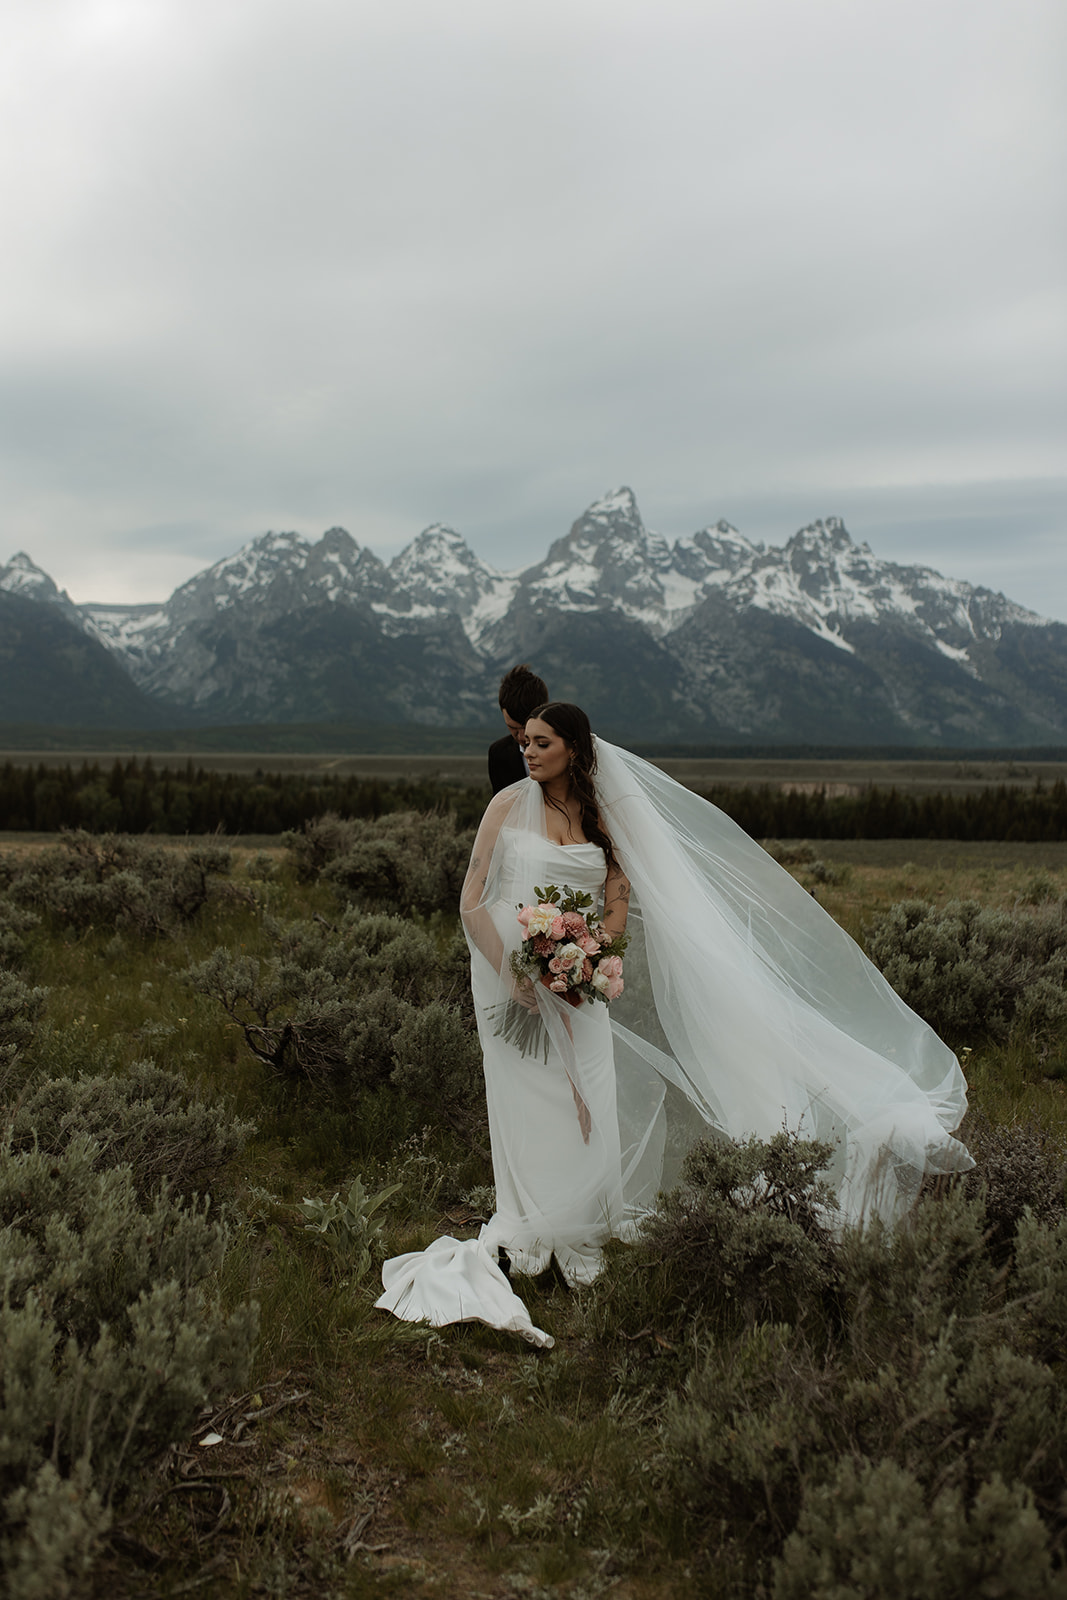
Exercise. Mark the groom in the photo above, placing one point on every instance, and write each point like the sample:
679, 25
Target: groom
521, 692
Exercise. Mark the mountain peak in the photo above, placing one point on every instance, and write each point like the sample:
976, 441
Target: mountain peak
438, 571
25, 577
821, 533
23, 574
615, 513
338, 539
621, 502
435, 537
714, 554
278, 541
609, 531
437, 548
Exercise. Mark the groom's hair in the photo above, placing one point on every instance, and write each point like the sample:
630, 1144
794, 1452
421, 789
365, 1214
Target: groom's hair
521, 691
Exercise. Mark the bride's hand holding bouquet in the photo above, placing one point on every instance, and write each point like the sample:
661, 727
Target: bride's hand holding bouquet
566, 951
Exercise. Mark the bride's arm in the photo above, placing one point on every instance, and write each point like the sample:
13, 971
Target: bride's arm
616, 900
474, 900
473, 903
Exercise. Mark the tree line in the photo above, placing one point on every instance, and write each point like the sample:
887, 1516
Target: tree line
1003, 812
136, 796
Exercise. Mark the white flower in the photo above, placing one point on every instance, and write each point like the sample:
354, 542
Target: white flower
538, 919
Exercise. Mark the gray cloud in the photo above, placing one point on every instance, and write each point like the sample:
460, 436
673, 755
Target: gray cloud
273, 264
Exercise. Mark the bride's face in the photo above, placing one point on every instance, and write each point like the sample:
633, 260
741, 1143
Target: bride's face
548, 756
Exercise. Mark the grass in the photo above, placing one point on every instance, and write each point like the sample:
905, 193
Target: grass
399, 1460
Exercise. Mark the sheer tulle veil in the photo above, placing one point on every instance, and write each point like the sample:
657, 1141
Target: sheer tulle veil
748, 1009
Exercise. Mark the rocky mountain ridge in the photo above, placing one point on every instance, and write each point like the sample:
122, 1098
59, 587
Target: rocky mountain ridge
711, 636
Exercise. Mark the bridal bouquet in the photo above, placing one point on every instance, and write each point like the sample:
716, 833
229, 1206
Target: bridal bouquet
568, 951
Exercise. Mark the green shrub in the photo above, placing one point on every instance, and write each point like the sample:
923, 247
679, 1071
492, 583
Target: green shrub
828, 872
406, 862
938, 1365
1021, 1169
319, 842
15, 924
789, 855
743, 1238
20, 1009
148, 1119
1040, 1280
1039, 889
975, 972
363, 950
872, 1533
109, 1344
764, 1423
53, 1529
355, 1005
305, 1024
738, 1440
116, 881
907, 1282
437, 1061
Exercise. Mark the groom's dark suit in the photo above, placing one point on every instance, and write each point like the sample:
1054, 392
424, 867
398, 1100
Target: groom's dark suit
506, 765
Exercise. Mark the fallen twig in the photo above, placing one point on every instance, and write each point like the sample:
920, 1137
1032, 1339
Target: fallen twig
268, 1411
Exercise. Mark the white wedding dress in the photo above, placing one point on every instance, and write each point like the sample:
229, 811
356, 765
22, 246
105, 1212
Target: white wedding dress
556, 1157
747, 1009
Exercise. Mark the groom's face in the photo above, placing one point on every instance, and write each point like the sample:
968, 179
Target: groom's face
516, 729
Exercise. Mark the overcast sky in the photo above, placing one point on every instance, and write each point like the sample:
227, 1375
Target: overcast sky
382, 263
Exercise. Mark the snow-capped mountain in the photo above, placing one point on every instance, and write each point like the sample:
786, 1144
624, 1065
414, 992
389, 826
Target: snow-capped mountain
711, 636
23, 577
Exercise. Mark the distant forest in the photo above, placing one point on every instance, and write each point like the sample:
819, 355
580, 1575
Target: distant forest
135, 796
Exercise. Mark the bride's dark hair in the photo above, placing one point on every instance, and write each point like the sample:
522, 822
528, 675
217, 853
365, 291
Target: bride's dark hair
572, 725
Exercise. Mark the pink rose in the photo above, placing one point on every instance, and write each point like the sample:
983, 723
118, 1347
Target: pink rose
610, 968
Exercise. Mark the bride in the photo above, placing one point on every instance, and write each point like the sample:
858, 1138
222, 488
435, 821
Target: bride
746, 1009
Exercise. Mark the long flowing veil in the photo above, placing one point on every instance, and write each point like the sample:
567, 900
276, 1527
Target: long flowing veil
748, 1009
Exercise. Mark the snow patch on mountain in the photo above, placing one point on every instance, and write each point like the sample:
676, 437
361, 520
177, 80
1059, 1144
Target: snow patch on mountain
127, 630
952, 652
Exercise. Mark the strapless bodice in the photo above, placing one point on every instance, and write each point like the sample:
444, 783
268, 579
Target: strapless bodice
536, 862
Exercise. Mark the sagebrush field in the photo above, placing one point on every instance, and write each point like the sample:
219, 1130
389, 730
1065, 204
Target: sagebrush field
204, 1046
